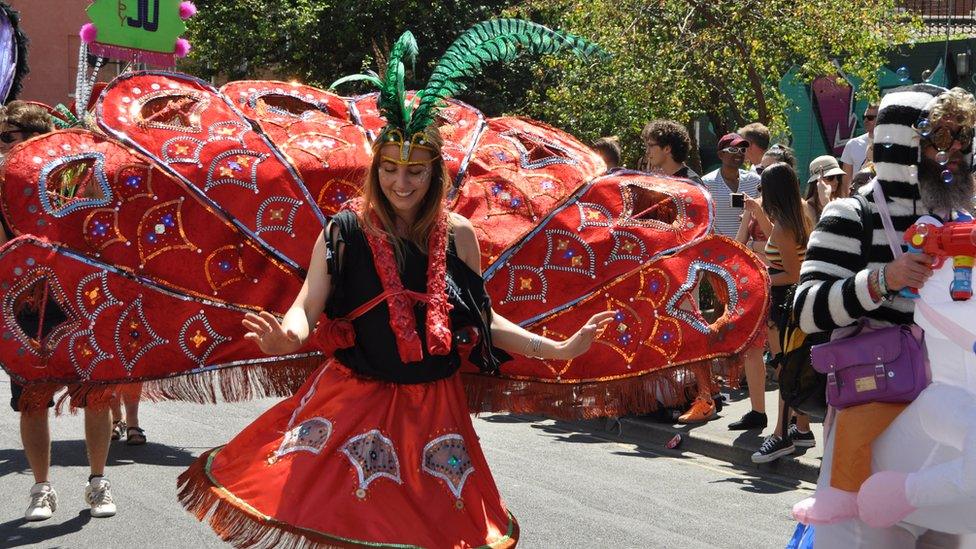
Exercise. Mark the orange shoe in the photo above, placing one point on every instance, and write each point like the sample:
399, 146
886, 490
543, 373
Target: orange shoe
702, 410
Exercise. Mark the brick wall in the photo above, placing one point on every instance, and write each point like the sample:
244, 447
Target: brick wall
52, 27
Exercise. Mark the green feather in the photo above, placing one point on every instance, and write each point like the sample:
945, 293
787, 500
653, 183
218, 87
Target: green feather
392, 100
370, 77
487, 42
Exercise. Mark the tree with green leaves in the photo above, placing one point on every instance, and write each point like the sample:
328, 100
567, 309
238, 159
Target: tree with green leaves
684, 59
317, 41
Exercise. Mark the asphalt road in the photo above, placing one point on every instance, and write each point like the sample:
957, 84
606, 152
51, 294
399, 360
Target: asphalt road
567, 486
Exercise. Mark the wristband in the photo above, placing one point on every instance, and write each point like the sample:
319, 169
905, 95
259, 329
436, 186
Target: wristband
882, 282
874, 287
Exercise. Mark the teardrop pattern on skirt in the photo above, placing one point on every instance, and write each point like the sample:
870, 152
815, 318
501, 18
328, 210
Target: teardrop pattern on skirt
446, 458
372, 456
119, 208
197, 135
314, 130
310, 436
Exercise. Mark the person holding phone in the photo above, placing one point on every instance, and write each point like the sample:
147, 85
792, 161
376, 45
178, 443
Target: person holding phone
727, 184
730, 184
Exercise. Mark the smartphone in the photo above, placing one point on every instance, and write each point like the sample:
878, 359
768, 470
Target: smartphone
737, 200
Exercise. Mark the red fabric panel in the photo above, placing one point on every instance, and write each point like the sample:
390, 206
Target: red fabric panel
187, 127
316, 133
66, 319
126, 212
520, 171
659, 324
617, 224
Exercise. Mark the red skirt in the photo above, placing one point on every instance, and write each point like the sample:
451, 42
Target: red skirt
351, 462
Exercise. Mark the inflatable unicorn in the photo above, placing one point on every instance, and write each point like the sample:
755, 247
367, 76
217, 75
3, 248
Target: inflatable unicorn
925, 462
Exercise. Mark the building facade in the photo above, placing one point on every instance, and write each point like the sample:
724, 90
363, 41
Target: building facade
52, 27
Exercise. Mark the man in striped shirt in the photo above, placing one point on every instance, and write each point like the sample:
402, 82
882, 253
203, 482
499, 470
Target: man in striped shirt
922, 153
730, 179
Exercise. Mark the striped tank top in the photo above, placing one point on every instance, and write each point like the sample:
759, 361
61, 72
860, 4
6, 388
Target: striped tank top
775, 259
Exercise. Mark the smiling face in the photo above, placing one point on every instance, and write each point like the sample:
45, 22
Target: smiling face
732, 157
405, 184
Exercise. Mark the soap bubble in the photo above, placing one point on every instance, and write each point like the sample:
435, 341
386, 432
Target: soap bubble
942, 157
924, 127
947, 176
903, 73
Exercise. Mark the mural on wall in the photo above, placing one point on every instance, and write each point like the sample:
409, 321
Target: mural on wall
825, 114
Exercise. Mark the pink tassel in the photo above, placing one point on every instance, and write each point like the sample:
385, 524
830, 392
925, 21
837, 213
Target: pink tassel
182, 47
89, 33
187, 10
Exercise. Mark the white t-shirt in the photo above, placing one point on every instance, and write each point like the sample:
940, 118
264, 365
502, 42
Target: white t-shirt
855, 151
727, 218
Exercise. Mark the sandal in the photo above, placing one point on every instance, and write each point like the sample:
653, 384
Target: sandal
118, 429
135, 437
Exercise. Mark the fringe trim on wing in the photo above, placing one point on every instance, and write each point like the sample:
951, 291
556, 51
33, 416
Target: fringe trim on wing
636, 395
243, 526
232, 384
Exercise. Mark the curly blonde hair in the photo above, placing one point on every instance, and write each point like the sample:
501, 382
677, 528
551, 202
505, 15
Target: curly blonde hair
956, 105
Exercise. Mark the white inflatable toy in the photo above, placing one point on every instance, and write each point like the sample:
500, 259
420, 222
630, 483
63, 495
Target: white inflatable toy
925, 463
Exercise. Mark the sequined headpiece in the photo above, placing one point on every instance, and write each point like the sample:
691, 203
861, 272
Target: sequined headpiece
485, 42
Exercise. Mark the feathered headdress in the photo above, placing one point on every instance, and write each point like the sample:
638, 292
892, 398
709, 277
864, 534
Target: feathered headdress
486, 42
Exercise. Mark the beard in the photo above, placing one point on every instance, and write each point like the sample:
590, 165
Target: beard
939, 196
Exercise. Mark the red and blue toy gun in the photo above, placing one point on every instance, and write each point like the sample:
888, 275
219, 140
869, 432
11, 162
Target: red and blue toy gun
955, 239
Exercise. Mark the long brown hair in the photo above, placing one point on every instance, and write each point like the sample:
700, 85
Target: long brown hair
432, 206
782, 203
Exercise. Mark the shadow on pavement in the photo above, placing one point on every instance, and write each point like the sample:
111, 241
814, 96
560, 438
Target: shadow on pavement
71, 453
509, 418
20, 533
750, 478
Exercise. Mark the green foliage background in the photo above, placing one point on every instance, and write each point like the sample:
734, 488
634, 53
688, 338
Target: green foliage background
721, 59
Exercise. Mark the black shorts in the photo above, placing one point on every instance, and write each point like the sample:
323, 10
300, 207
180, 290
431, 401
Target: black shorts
777, 304
16, 390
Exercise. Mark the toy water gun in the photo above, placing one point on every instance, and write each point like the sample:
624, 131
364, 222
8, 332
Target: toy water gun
955, 239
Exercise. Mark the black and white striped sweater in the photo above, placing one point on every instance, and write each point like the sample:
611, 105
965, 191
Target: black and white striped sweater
833, 287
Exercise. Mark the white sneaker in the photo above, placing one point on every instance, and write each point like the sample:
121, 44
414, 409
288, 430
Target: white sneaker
43, 502
98, 494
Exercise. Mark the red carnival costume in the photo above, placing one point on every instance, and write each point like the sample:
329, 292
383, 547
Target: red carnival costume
195, 205
382, 431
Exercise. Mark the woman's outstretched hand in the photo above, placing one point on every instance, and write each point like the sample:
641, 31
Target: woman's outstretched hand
265, 330
581, 341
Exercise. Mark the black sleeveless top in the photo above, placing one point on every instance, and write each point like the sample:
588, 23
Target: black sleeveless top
375, 354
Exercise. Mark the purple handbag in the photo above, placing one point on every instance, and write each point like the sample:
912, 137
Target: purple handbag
884, 365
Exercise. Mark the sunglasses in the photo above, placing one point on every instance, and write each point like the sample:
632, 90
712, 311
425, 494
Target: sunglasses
942, 137
870, 117
734, 150
759, 170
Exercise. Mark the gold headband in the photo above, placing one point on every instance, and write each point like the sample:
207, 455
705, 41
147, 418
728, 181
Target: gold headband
416, 141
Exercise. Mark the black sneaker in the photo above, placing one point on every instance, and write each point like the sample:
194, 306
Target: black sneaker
801, 439
752, 420
772, 449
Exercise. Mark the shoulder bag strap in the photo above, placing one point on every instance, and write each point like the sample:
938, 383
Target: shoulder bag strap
889, 227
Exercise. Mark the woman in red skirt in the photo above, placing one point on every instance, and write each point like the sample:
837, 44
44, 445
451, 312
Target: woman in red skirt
377, 448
